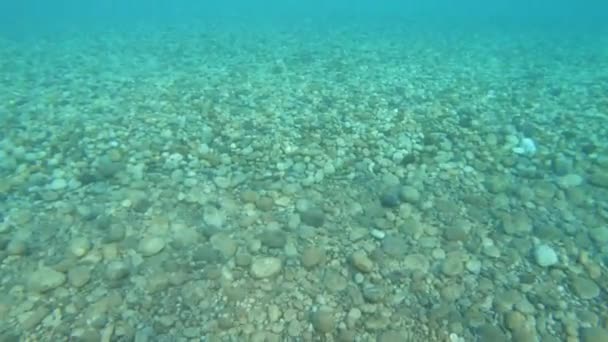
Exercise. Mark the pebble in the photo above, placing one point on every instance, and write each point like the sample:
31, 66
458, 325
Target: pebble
323, 320
452, 266
594, 334
410, 194
416, 262
390, 197
265, 267
585, 288
80, 246
79, 276
545, 255
16, 247
378, 234
58, 184
313, 216
224, 244
273, 238
46, 279
117, 270
149, 246
312, 256
362, 262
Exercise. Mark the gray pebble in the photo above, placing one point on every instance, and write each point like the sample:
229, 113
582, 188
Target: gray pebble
389, 198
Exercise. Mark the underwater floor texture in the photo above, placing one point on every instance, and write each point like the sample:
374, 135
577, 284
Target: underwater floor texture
306, 185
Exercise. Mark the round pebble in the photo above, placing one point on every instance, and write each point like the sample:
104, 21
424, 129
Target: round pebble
312, 256
266, 267
585, 288
545, 255
313, 216
151, 245
80, 246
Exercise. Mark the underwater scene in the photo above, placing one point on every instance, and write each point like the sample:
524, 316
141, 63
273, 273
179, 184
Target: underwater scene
269, 171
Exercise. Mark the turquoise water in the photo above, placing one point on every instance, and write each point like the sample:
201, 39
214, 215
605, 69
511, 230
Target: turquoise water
289, 171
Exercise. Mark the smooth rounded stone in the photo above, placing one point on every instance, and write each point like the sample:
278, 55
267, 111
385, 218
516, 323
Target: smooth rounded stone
599, 235
213, 217
409, 194
116, 270
312, 256
108, 167
390, 197
373, 293
58, 184
224, 244
517, 224
151, 245
457, 233
362, 262
488, 332
393, 336
265, 267
394, 246
473, 266
264, 203
377, 234
515, 320
599, 178
323, 320
585, 288
249, 196
16, 247
497, 184
570, 181
80, 246
45, 279
545, 256
416, 262
243, 259
333, 281
313, 216
273, 238
594, 334
116, 233
452, 266
79, 276
222, 182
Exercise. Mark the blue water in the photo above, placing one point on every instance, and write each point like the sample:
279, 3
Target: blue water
303, 171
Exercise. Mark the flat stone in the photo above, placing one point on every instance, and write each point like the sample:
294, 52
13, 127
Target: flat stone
585, 288
323, 320
266, 267
149, 246
312, 256
313, 216
416, 262
594, 334
79, 276
46, 279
